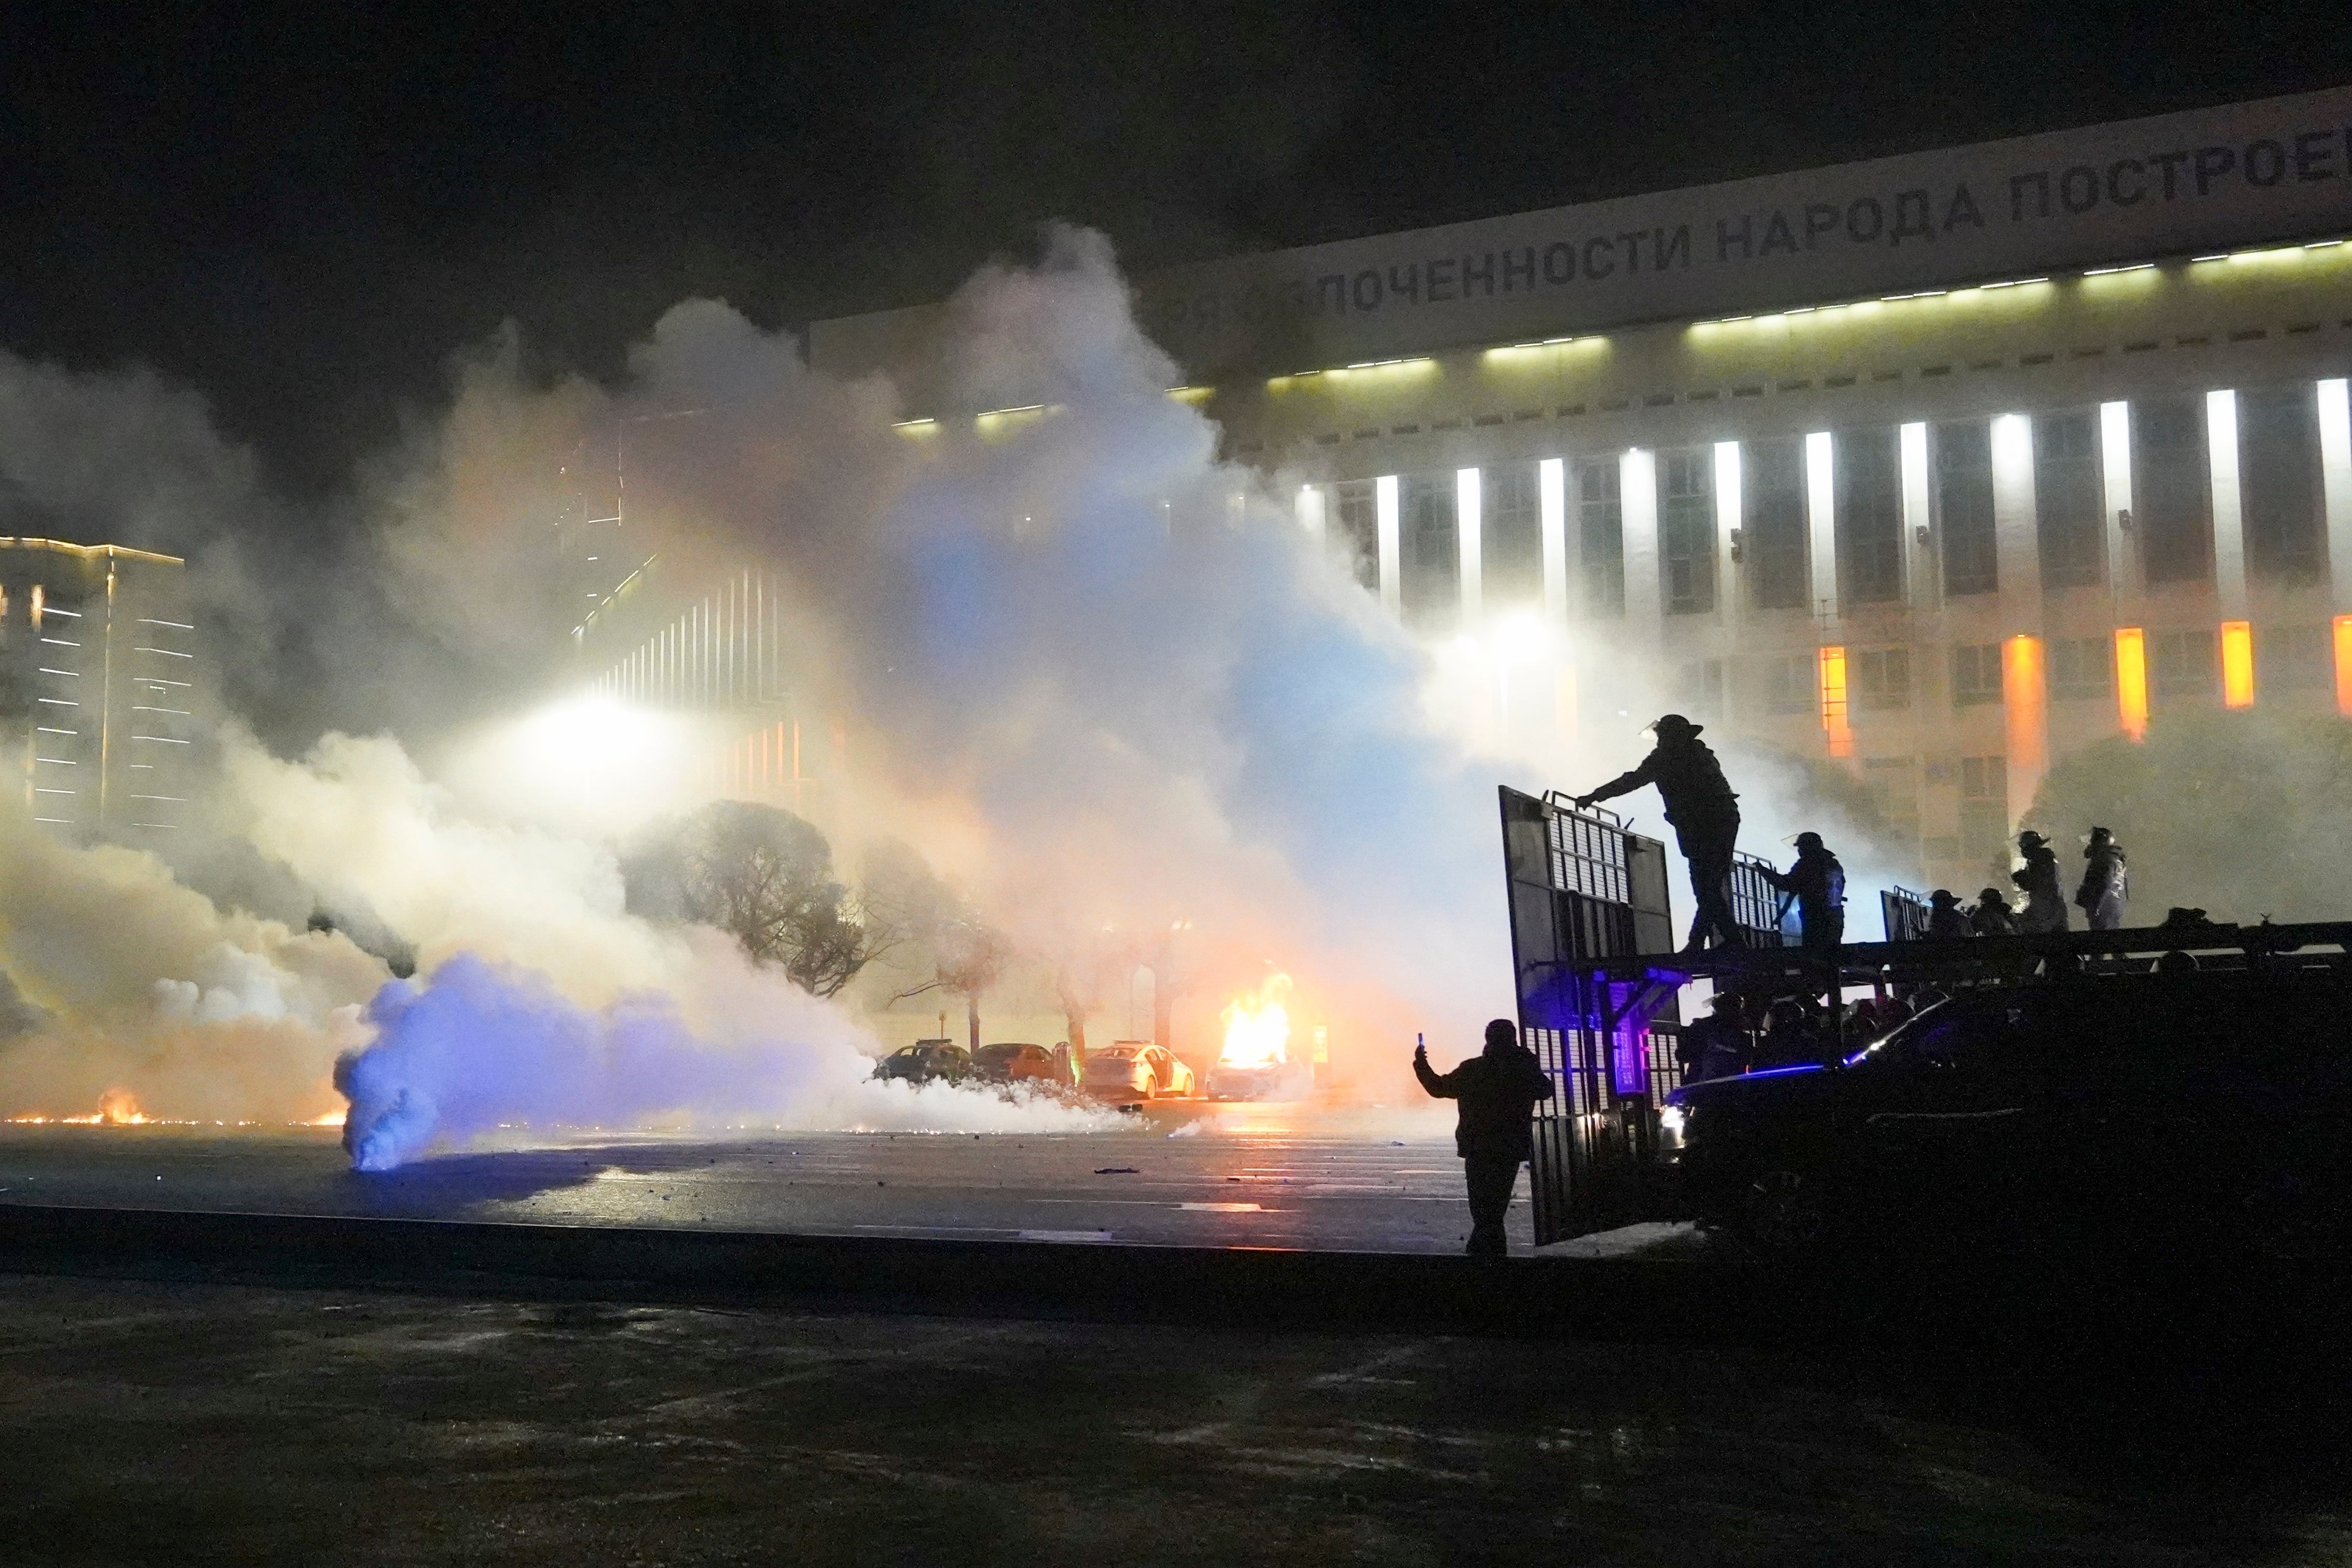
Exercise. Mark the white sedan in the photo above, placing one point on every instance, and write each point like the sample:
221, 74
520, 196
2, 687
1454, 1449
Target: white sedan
1138, 1069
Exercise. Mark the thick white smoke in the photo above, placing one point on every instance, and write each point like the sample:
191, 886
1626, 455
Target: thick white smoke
1096, 676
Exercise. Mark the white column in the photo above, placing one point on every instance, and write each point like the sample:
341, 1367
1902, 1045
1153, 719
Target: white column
1469, 540
2335, 484
2116, 473
2229, 521
1821, 519
1552, 497
1310, 512
1637, 490
1728, 509
1915, 515
1391, 553
2017, 546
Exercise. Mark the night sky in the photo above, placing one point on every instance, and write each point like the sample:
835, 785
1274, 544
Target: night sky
304, 212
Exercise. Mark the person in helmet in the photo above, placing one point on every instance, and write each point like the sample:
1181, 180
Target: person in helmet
2045, 901
1945, 920
1992, 916
1706, 817
2106, 884
1818, 880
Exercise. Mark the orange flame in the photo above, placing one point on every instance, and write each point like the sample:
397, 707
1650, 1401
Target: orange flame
115, 1109
1257, 1027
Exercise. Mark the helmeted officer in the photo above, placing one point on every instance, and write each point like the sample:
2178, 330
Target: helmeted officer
1704, 814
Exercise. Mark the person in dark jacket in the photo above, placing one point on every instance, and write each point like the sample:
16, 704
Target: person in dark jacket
1992, 916
1716, 1045
1818, 880
1496, 1095
2045, 901
2105, 882
1706, 817
1945, 920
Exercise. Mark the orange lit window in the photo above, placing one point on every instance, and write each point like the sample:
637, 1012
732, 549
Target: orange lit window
2237, 664
2025, 694
2344, 665
1834, 702
2131, 681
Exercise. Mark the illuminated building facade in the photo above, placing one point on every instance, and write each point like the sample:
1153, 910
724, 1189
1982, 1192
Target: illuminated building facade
1938, 466
98, 688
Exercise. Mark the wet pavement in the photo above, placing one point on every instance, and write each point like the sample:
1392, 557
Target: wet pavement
189, 1423
1237, 1180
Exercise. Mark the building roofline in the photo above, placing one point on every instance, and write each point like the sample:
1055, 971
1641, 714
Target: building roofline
92, 552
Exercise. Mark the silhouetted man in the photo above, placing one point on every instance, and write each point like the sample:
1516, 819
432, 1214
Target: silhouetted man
1818, 880
1704, 814
2045, 902
1945, 920
1496, 1094
2106, 881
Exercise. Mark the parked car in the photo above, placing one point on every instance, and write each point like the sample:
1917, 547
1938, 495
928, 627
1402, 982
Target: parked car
1136, 1069
1273, 1080
2212, 1099
1012, 1062
925, 1062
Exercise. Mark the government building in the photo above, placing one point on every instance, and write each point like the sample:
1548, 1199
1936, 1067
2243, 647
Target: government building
1931, 466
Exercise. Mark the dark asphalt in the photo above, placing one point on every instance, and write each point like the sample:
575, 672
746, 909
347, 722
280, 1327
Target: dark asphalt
198, 1423
1170, 1183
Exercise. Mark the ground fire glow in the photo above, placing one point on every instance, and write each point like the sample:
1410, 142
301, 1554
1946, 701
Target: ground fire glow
1257, 1027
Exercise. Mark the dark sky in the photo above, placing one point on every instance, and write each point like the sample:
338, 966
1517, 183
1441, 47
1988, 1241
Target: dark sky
305, 211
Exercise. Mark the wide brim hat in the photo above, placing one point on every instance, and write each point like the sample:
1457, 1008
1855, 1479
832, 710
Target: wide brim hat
1676, 724
2029, 839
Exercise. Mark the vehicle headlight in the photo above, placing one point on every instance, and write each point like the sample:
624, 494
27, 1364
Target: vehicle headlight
1671, 1121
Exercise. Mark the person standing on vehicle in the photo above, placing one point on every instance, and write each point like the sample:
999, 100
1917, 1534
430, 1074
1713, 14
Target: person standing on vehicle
2106, 882
1706, 817
2045, 901
1496, 1095
1818, 880
1945, 920
1992, 916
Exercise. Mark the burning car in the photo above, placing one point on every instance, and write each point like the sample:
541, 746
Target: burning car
1138, 1069
925, 1062
1018, 1062
1255, 1062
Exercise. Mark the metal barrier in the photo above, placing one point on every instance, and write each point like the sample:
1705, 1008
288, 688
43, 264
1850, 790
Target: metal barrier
1583, 890
1904, 914
1764, 915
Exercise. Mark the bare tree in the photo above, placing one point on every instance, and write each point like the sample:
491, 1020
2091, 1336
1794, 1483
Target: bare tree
765, 876
965, 954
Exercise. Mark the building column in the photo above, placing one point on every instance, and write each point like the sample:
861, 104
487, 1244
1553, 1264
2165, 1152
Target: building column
1919, 538
1552, 497
1469, 496
1637, 492
1391, 554
2115, 491
2335, 481
2229, 521
1729, 506
1821, 521
2017, 546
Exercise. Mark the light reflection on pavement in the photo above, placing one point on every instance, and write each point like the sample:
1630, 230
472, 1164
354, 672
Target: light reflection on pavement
1244, 1176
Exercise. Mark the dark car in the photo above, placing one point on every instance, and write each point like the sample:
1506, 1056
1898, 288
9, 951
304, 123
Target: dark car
925, 1062
2184, 1100
1015, 1062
